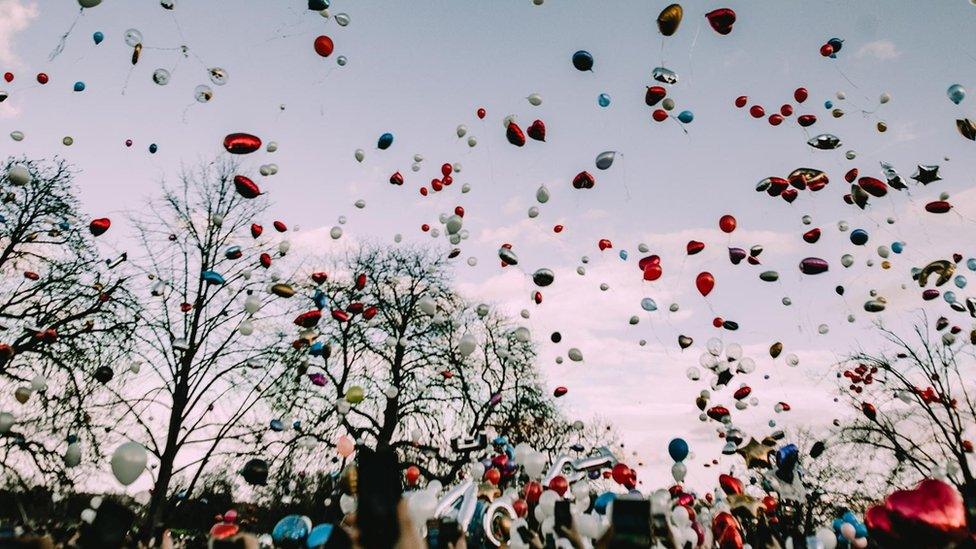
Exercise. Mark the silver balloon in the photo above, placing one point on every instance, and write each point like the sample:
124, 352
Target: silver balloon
464, 499
605, 159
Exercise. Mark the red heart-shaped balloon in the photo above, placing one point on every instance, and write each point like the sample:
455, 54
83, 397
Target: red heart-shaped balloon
933, 514
731, 485
537, 130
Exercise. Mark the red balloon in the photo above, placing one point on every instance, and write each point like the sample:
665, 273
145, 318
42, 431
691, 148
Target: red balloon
717, 322
721, 20
649, 260
741, 101
324, 46
786, 110
280, 226
412, 474
659, 115
493, 476
446, 169
425, 227
557, 229
515, 135
620, 473
533, 489
8, 76
559, 391
459, 211
256, 230
584, 180
559, 484
654, 95
938, 207
806, 120
537, 130
481, 113
731, 485
705, 282
652, 272
933, 514
757, 111
826, 50
727, 223
99, 226
224, 530
775, 119
694, 247
521, 507
604, 243
396, 179
245, 187
800, 95
241, 143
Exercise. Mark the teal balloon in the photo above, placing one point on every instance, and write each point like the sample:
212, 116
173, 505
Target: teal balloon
98, 37
603, 100
648, 304
828, 104
623, 255
949, 297
897, 247
971, 263
291, 529
678, 449
319, 535
384, 141
956, 93
960, 281
79, 86
686, 117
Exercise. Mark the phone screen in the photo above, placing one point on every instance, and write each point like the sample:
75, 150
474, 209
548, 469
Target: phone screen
563, 517
631, 522
379, 494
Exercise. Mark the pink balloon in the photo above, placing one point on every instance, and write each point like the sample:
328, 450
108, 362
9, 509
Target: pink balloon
346, 446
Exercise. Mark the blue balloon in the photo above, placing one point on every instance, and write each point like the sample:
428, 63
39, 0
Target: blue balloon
648, 304
385, 141
836, 43
603, 100
686, 117
678, 449
79, 86
859, 237
277, 425
897, 247
212, 277
960, 281
623, 255
153, 148
292, 528
956, 93
949, 297
319, 536
98, 37
583, 61
828, 104
602, 501
971, 263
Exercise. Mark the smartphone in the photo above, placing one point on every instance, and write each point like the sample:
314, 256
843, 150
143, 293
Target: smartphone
523, 532
433, 533
379, 494
449, 533
563, 517
631, 522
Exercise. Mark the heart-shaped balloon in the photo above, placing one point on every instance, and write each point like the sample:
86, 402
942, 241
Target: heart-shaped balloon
721, 20
933, 514
730, 485
537, 130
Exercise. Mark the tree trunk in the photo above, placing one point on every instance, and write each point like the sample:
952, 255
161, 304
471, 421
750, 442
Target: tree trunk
159, 503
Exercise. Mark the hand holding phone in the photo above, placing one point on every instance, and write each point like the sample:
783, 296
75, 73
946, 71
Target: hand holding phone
631, 521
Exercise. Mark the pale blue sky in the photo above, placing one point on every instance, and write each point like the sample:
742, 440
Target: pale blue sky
418, 69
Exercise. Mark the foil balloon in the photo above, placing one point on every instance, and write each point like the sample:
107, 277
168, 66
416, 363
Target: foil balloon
462, 499
605, 159
583, 60
669, 19
956, 93
721, 20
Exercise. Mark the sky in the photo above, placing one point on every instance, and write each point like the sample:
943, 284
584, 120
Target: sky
420, 69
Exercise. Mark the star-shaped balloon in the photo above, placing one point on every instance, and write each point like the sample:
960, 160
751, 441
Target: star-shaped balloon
894, 180
756, 454
927, 174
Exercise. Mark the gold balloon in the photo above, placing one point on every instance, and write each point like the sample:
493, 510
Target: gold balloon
886, 264
882, 127
942, 267
837, 113
669, 19
756, 454
775, 349
349, 481
22, 394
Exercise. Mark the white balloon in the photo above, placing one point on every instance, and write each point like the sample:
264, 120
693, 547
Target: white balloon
7, 421
575, 355
534, 464
453, 224
467, 344
542, 195
427, 305
461, 130
18, 175
128, 462
678, 471
347, 503
535, 99
72, 455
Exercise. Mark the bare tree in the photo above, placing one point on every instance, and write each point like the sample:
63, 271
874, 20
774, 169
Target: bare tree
62, 324
917, 407
208, 336
400, 360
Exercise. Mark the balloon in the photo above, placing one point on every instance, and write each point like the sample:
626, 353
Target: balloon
721, 20
824, 141
648, 304
534, 99
241, 143
859, 237
705, 282
161, 77
98, 37
727, 223
97, 227
291, 530
537, 131
89, 3
18, 175
605, 159
324, 46
678, 449
956, 93
669, 19
686, 117
665, 76
128, 462
319, 535
384, 141
412, 475
345, 446
203, 93
255, 472
583, 60
603, 100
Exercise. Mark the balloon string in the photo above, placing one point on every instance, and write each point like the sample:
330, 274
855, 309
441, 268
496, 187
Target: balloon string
849, 81
691, 51
64, 37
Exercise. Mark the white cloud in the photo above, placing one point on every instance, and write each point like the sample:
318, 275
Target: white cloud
879, 49
15, 16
